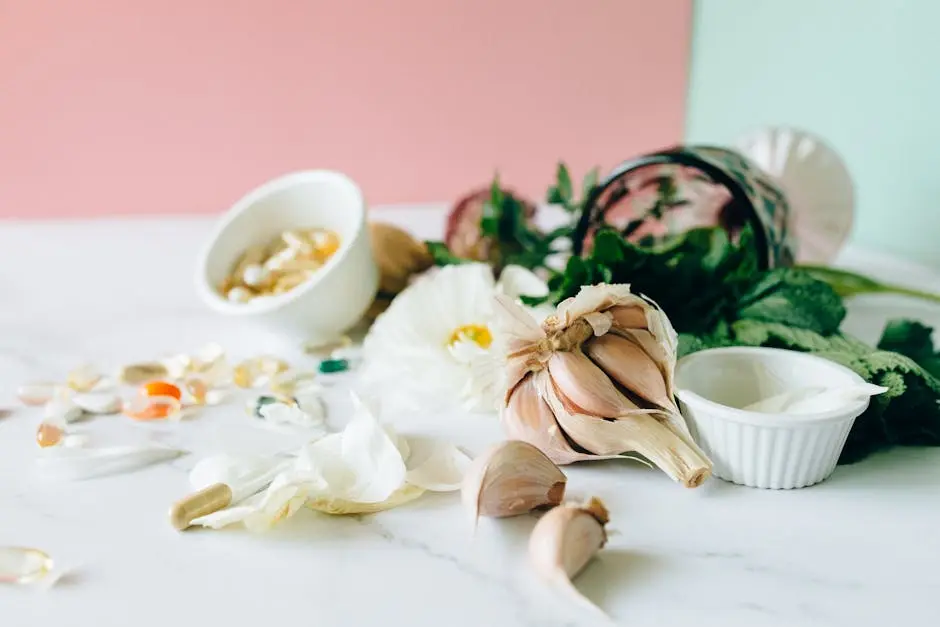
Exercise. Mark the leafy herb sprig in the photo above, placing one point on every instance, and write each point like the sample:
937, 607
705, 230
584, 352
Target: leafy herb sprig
515, 240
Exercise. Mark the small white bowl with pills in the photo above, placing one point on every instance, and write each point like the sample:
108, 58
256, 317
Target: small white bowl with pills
767, 417
293, 256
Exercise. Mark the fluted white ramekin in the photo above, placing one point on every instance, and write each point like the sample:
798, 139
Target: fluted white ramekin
756, 449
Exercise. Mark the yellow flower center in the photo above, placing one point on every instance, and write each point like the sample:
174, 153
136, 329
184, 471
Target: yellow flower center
479, 334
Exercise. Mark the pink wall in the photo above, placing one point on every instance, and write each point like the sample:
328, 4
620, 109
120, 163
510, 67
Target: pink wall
173, 106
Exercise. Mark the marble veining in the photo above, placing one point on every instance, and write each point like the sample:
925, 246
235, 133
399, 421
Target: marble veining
859, 549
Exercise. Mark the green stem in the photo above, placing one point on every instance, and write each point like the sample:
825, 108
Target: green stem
847, 283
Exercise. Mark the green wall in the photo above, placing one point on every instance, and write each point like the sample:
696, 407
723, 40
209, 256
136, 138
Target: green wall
861, 73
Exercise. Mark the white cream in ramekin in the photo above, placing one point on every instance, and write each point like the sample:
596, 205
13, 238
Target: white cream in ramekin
757, 449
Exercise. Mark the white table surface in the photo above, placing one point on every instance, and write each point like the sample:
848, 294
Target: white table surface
859, 549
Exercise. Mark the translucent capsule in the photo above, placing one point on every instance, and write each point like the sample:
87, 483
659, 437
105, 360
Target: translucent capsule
49, 434
83, 378
23, 565
177, 366
239, 294
325, 243
253, 407
257, 371
289, 381
197, 390
255, 275
160, 388
143, 407
135, 374
98, 402
35, 394
62, 410
327, 347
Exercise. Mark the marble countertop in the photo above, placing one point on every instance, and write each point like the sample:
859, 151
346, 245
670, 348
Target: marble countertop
859, 549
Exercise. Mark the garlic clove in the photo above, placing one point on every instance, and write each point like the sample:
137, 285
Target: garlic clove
640, 432
629, 365
564, 540
661, 352
585, 386
511, 478
629, 317
529, 418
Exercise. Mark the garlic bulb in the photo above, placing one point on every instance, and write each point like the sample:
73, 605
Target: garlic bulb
512, 478
398, 256
595, 380
564, 540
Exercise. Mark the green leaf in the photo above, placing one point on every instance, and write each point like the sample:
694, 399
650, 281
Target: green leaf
442, 255
565, 190
793, 298
554, 196
913, 339
589, 183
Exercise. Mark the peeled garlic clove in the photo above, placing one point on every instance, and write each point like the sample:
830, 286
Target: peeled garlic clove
98, 402
629, 365
135, 374
564, 540
512, 478
585, 386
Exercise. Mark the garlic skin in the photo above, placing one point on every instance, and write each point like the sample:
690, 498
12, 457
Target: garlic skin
596, 380
564, 540
511, 478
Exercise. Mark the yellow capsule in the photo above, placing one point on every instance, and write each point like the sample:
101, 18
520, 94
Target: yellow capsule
135, 374
287, 382
327, 347
83, 378
257, 371
23, 565
325, 242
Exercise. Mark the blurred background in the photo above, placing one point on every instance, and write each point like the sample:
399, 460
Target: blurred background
109, 107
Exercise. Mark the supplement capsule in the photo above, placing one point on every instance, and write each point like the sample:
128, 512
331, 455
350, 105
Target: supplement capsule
206, 501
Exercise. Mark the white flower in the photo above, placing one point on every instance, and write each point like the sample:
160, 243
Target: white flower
434, 344
365, 468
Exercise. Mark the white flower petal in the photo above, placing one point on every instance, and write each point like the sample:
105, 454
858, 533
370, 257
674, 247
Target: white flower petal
515, 281
436, 466
229, 469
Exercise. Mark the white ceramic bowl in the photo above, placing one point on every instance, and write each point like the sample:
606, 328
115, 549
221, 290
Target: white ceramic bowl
764, 450
331, 301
